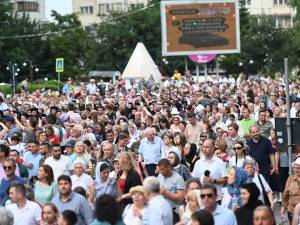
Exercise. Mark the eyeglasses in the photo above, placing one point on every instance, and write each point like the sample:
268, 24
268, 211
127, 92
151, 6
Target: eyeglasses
210, 195
238, 148
202, 136
7, 167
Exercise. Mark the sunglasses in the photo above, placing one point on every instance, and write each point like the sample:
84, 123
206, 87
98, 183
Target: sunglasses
238, 148
7, 167
202, 196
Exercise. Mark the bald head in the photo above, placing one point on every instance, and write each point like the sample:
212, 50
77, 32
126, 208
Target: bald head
150, 133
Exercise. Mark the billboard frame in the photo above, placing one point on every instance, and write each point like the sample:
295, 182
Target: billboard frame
165, 52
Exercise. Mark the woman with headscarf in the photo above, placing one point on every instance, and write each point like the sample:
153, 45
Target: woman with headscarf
190, 155
181, 169
231, 196
103, 183
249, 198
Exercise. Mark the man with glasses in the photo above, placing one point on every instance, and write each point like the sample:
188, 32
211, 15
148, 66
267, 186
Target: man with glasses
9, 167
222, 216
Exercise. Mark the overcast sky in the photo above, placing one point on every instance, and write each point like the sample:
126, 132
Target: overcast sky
61, 6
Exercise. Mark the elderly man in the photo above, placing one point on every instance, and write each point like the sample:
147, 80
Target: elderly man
151, 150
92, 87
158, 210
263, 215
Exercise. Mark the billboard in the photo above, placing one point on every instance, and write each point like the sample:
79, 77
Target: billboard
200, 27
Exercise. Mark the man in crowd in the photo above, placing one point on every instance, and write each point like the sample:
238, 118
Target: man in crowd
233, 136
59, 163
211, 169
246, 122
193, 128
15, 155
69, 200
151, 150
263, 124
222, 216
32, 158
25, 212
260, 148
4, 153
9, 167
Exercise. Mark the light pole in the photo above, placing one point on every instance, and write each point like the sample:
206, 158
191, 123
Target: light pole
12, 68
32, 68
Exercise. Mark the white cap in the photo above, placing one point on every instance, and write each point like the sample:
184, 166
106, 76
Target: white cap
297, 162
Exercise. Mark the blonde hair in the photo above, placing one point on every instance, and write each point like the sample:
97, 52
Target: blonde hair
127, 161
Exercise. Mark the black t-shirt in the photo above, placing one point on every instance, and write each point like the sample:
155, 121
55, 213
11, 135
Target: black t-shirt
261, 151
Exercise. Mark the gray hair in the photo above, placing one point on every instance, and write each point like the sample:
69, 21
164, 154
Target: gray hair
152, 184
248, 162
6, 217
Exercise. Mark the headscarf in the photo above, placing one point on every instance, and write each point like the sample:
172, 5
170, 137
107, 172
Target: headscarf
254, 195
97, 172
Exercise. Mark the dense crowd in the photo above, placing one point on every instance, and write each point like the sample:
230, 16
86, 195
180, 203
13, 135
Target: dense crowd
138, 152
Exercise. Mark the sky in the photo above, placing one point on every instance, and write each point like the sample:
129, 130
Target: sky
61, 6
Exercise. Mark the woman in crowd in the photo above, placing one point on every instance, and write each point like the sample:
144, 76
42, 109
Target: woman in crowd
169, 146
231, 196
291, 194
193, 204
49, 214
133, 213
190, 155
249, 198
181, 169
45, 188
179, 141
175, 127
81, 179
81, 155
107, 211
202, 217
240, 155
127, 177
52, 138
105, 184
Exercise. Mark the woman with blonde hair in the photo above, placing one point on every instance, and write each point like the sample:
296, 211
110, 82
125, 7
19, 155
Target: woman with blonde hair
127, 177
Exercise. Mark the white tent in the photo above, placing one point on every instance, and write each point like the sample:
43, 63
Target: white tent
141, 65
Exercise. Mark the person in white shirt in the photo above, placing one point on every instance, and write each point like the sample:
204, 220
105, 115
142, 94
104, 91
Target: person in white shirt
59, 163
92, 87
210, 169
25, 212
158, 210
81, 179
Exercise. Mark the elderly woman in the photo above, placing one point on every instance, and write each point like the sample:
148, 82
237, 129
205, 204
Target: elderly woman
81, 179
103, 183
291, 194
133, 213
231, 196
82, 155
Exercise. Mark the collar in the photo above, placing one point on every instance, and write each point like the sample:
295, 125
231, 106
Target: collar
151, 142
218, 210
69, 197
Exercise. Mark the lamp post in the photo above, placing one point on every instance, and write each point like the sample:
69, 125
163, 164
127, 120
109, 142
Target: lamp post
32, 68
13, 69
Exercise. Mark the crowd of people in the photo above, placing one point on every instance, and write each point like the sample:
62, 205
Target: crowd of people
142, 153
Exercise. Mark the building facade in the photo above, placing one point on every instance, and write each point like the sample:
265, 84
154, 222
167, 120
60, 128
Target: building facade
279, 10
34, 8
94, 11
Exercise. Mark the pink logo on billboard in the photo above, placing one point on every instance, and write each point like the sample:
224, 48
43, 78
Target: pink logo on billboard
203, 59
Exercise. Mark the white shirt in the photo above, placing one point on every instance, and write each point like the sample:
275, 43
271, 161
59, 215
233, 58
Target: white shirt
129, 218
217, 170
61, 166
264, 182
92, 88
158, 212
240, 162
30, 214
84, 181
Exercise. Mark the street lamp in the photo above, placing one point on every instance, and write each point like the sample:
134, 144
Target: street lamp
32, 68
12, 68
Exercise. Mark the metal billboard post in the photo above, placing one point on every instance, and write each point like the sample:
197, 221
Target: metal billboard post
288, 116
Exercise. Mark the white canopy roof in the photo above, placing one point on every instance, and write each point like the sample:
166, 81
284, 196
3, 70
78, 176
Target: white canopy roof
141, 65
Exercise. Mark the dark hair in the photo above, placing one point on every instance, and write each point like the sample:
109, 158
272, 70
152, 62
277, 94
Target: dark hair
80, 190
20, 188
15, 150
87, 143
104, 166
191, 115
262, 110
52, 206
33, 141
46, 144
109, 131
64, 178
55, 145
192, 180
49, 171
16, 138
234, 126
5, 149
107, 209
164, 162
209, 186
10, 161
121, 136
253, 191
204, 217
70, 217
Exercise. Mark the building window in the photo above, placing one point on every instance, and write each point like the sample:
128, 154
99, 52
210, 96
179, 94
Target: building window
86, 10
28, 7
102, 9
248, 2
280, 2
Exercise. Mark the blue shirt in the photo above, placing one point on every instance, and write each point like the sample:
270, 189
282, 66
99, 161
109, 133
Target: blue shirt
78, 204
35, 160
5, 185
261, 151
224, 216
152, 152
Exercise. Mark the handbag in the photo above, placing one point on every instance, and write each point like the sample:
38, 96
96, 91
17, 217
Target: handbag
265, 195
